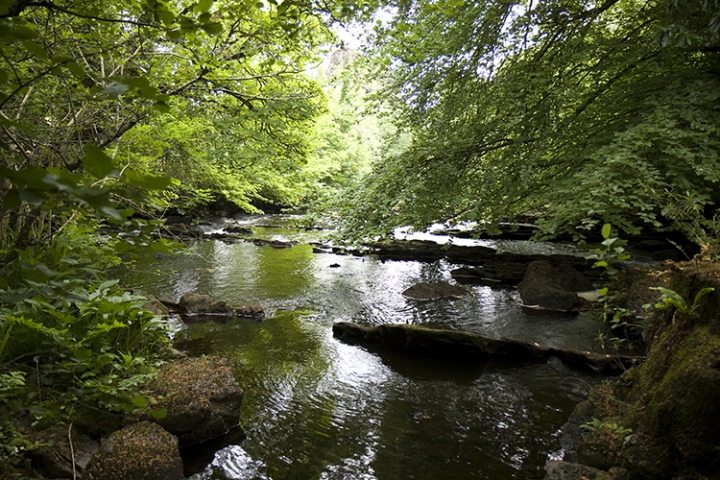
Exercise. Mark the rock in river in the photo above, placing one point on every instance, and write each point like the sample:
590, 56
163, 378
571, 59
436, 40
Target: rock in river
553, 287
434, 291
143, 451
201, 396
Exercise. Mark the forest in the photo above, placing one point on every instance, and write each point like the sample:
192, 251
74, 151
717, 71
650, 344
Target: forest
568, 114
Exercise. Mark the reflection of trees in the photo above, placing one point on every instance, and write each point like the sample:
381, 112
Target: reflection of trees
284, 273
282, 364
445, 429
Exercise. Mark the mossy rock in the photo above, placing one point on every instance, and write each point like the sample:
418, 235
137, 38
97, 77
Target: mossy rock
683, 408
201, 397
143, 451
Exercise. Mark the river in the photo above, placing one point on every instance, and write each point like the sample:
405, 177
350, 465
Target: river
316, 408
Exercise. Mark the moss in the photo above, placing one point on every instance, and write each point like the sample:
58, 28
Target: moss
672, 401
683, 408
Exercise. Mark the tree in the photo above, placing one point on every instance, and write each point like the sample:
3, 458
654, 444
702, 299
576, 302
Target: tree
101, 103
574, 112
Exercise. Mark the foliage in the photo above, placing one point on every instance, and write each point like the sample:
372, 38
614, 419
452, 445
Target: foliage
615, 319
82, 340
576, 113
671, 299
687, 211
596, 426
349, 138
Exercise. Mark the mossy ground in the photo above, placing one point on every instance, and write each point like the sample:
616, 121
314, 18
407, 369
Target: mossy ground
672, 400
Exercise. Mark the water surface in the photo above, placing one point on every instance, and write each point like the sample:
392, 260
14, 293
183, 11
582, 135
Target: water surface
316, 408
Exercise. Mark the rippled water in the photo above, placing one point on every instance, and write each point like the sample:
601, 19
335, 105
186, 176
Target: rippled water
316, 408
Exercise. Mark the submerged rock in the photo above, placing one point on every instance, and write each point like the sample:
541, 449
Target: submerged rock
201, 396
143, 451
434, 291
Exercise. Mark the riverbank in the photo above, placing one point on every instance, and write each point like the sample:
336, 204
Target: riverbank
659, 420
307, 391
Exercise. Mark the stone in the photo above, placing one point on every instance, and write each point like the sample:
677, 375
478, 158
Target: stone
201, 396
156, 306
54, 458
196, 303
574, 471
434, 291
452, 343
643, 457
553, 287
596, 454
205, 307
239, 229
143, 451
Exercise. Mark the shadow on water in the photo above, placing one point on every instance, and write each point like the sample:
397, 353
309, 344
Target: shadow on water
316, 408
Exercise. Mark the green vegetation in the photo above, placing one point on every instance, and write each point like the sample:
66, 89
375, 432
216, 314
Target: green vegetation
576, 113
573, 113
110, 113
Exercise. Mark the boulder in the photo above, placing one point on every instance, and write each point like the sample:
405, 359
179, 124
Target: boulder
143, 451
574, 471
643, 457
239, 229
156, 306
434, 291
196, 303
54, 457
204, 305
430, 251
419, 340
553, 287
201, 396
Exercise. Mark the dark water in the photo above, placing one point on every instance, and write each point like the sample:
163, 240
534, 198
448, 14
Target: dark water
316, 408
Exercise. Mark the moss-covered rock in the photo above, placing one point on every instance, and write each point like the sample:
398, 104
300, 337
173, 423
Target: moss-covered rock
672, 401
201, 397
682, 406
143, 451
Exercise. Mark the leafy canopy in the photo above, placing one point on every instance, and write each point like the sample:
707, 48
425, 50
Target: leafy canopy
574, 112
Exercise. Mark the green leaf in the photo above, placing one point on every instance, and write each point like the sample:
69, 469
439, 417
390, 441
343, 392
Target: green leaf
5, 6
24, 32
76, 69
36, 49
139, 401
82, 353
204, 5
96, 162
149, 182
175, 34
11, 200
158, 413
161, 107
213, 28
115, 89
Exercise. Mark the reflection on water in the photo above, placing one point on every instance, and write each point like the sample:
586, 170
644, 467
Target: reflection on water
315, 408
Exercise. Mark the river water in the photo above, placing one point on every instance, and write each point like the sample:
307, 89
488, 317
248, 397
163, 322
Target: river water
316, 408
